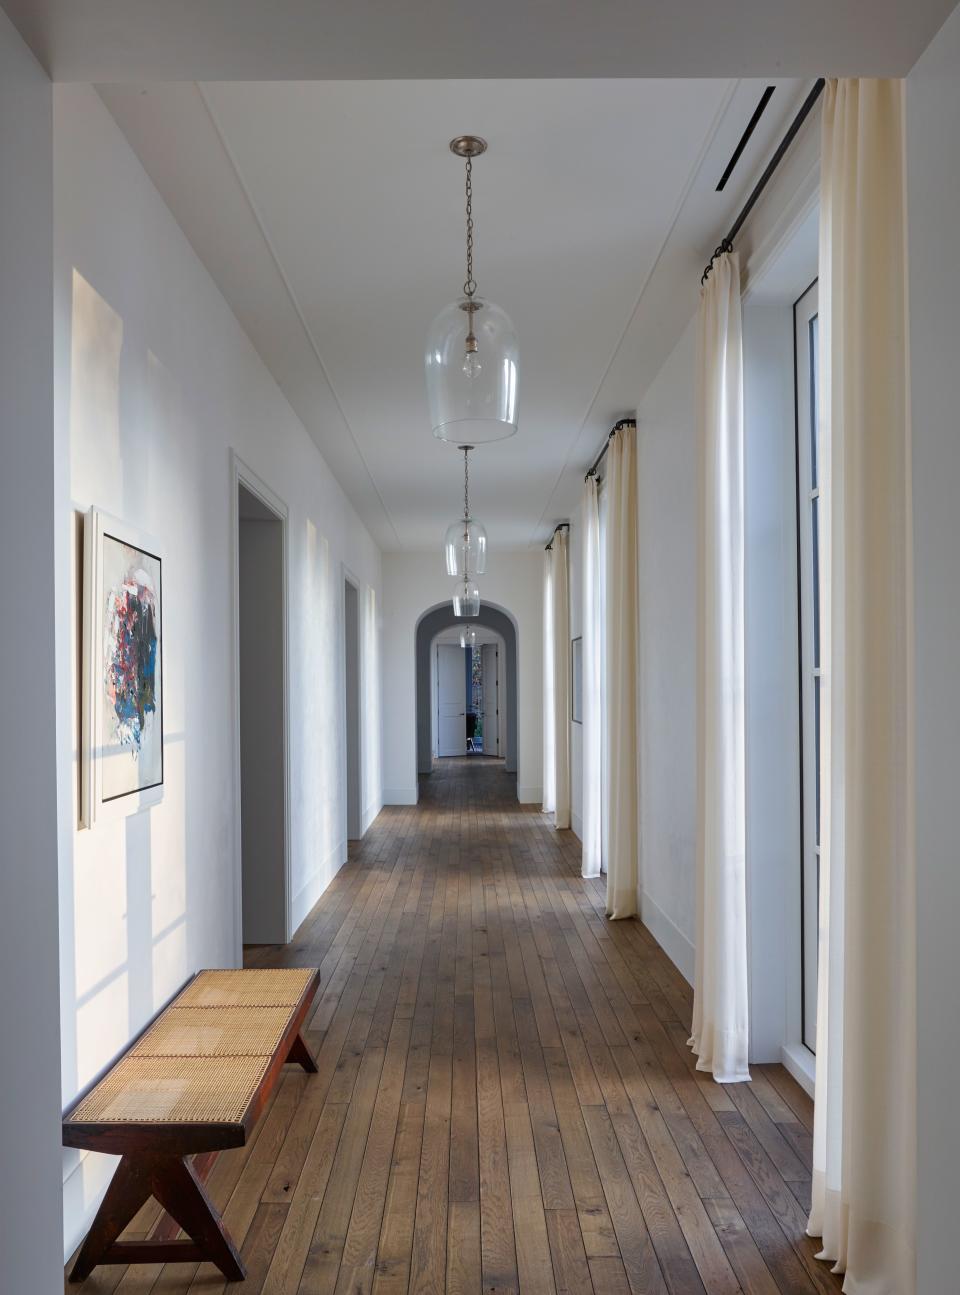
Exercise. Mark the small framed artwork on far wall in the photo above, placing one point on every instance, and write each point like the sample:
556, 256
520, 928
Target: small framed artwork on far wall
122, 715
576, 680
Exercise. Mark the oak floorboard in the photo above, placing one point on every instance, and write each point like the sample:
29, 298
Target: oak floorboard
504, 1102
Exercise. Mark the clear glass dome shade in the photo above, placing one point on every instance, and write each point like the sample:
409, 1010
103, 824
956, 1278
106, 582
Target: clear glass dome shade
472, 373
466, 598
465, 548
468, 637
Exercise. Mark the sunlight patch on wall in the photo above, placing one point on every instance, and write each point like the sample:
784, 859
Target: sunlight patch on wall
96, 341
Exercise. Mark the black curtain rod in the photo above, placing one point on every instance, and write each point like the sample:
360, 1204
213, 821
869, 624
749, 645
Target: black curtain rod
560, 526
727, 243
624, 422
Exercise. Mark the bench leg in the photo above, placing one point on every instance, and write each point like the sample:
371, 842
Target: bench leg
300, 1054
128, 1190
180, 1192
175, 1185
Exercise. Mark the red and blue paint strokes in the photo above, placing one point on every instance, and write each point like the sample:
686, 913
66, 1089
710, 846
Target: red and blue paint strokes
131, 666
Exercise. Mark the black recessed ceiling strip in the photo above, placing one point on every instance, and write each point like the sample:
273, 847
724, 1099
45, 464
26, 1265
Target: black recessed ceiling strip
745, 137
727, 244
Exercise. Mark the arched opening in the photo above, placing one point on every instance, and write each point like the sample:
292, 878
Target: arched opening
433, 622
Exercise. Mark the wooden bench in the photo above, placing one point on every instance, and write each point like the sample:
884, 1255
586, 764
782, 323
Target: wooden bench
194, 1082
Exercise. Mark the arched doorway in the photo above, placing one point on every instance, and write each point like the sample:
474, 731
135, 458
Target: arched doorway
434, 621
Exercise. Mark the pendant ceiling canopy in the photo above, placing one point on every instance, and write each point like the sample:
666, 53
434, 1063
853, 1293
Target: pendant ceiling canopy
471, 356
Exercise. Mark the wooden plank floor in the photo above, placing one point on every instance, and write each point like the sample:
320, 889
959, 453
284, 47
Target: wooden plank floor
505, 1101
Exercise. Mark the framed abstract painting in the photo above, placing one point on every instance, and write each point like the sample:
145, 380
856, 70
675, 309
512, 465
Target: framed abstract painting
122, 722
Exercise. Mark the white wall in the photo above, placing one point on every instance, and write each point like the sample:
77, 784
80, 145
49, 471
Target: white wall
155, 385
30, 1219
412, 584
667, 529
933, 170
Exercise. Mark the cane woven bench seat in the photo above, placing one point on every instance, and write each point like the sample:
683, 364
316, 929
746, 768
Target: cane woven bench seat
173, 1090
263, 987
194, 1082
225, 1032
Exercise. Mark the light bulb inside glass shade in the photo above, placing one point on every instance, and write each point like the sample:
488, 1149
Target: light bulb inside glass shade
468, 637
472, 403
466, 598
465, 548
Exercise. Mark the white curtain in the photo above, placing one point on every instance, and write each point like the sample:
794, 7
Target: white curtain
560, 547
549, 715
592, 717
620, 642
864, 1153
720, 1035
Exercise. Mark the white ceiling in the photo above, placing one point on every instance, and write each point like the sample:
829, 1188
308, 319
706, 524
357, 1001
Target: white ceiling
175, 40
330, 215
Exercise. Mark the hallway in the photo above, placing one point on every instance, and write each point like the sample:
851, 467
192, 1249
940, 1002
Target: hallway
504, 1101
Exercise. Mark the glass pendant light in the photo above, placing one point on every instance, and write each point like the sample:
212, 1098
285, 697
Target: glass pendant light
465, 543
471, 354
468, 636
466, 597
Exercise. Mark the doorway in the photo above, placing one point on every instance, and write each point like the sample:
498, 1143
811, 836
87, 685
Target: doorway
451, 701
262, 689
493, 624
351, 680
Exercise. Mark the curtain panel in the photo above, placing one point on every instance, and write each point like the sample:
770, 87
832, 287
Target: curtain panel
621, 639
720, 1036
864, 1150
549, 713
560, 582
592, 716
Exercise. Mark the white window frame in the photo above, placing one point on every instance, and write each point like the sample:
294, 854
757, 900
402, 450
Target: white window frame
811, 595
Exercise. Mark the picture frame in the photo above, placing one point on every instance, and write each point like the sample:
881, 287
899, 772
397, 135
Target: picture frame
122, 757
576, 680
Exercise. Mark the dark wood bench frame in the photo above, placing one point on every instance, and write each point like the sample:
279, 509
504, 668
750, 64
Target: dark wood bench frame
155, 1163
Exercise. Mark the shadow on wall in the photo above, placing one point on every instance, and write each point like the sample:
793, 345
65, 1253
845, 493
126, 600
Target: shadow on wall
433, 621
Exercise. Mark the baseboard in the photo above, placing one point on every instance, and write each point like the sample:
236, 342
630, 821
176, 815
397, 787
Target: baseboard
369, 817
668, 935
802, 1064
576, 826
530, 795
399, 795
308, 895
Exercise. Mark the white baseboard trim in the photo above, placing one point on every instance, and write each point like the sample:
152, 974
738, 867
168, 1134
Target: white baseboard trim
668, 935
576, 826
399, 795
530, 795
802, 1064
369, 817
308, 895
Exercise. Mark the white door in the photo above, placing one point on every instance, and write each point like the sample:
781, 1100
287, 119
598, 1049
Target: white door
451, 700
490, 664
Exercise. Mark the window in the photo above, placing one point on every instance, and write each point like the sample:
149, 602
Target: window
809, 510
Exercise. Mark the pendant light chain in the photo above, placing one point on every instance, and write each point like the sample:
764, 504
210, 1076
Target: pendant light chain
470, 284
466, 483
